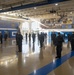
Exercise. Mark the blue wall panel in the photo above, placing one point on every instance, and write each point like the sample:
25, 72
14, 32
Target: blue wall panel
65, 35
10, 32
9, 26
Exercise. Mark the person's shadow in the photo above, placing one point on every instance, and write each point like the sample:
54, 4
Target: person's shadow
1, 47
20, 63
33, 48
41, 54
29, 43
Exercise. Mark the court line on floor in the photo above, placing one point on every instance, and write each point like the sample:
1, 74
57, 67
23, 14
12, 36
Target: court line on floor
53, 65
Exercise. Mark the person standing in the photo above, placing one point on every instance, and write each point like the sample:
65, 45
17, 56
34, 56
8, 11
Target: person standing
16, 38
69, 37
26, 37
33, 37
19, 38
29, 37
53, 38
5, 36
41, 39
59, 41
1, 38
38, 35
72, 41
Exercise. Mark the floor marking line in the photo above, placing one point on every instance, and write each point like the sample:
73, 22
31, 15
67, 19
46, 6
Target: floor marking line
53, 65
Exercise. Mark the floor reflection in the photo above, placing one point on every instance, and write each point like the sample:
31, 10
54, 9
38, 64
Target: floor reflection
8, 60
31, 58
30, 47
71, 64
41, 54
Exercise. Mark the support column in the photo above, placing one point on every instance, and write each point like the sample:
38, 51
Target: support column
30, 30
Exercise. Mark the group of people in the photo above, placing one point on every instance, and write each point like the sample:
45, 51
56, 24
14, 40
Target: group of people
58, 42
33, 35
1, 37
19, 37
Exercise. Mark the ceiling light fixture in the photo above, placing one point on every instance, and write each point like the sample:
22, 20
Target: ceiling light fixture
53, 14
35, 8
56, 4
70, 12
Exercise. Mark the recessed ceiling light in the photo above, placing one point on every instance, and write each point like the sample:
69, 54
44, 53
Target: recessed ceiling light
35, 7
0, 9
56, 4
70, 12
53, 14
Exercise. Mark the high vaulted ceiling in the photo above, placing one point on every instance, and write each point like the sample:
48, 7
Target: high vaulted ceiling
9, 3
12, 3
35, 9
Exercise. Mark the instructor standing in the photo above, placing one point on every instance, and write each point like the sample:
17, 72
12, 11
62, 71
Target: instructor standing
72, 41
59, 41
19, 38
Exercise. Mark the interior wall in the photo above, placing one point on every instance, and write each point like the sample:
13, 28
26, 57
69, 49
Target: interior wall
8, 26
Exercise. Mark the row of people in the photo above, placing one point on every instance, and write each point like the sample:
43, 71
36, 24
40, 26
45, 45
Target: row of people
58, 42
33, 35
19, 38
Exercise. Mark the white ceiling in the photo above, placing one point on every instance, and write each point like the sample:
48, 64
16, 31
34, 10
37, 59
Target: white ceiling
40, 12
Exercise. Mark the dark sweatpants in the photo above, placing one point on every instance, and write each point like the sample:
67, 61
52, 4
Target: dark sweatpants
1, 41
20, 47
72, 46
58, 50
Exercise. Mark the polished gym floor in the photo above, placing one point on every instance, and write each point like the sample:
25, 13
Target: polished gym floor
33, 60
